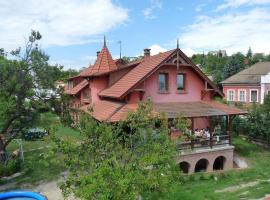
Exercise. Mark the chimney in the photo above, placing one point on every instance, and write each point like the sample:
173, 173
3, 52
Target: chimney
98, 52
147, 53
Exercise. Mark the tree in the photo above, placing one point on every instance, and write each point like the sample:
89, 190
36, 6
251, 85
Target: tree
120, 161
211, 65
234, 64
26, 87
258, 57
249, 53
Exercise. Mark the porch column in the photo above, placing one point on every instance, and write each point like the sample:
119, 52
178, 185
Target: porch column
211, 131
230, 120
192, 124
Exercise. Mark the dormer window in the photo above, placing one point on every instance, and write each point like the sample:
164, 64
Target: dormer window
181, 82
163, 82
70, 85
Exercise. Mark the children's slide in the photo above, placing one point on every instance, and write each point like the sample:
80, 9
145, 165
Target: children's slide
21, 195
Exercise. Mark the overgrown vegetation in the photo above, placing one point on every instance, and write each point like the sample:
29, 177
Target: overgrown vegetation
120, 161
256, 124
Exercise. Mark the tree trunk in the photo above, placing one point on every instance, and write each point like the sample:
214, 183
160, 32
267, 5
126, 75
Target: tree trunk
3, 154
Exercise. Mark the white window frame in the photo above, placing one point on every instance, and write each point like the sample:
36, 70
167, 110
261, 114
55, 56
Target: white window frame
228, 96
257, 90
242, 90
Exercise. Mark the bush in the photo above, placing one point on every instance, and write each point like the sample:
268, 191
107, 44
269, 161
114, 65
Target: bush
13, 166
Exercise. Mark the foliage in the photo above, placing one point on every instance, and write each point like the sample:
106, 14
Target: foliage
26, 89
234, 183
120, 161
221, 68
131, 59
234, 64
13, 166
182, 124
211, 65
256, 124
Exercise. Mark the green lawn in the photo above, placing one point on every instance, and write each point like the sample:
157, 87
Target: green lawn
204, 186
37, 166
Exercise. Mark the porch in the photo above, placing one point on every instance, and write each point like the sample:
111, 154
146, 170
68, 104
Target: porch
207, 144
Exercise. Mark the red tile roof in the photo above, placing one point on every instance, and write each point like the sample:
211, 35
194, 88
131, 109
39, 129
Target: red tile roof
112, 111
103, 110
103, 64
121, 87
123, 112
77, 88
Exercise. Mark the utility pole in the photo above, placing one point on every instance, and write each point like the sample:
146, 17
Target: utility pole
120, 45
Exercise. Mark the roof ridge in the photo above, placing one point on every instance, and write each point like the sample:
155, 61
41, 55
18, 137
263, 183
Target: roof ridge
141, 63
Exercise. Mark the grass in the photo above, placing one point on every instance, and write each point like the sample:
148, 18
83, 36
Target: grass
195, 187
37, 167
204, 186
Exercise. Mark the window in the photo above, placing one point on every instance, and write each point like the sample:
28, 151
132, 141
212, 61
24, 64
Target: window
70, 85
163, 82
180, 81
242, 95
253, 95
230, 95
86, 94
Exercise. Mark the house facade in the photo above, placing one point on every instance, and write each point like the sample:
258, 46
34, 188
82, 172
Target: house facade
174, 84
248, 86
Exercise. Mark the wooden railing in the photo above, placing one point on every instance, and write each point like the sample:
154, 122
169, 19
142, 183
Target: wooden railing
199, 143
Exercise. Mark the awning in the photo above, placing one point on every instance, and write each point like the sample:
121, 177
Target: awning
197, 109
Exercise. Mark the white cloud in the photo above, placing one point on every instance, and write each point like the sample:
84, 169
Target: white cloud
155, 49
189, 51
77, 63
238, 3
148, 12
199, 7
233, 32
61, 22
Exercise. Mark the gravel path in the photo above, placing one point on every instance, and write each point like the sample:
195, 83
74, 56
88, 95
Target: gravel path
51, 191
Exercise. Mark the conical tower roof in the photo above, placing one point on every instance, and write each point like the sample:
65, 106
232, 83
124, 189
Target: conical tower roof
103, 64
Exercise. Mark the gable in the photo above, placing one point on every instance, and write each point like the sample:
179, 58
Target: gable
149, 66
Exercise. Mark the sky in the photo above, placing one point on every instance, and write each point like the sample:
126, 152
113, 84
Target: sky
73, 30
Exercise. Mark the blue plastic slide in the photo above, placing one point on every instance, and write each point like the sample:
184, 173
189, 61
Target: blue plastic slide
21, 195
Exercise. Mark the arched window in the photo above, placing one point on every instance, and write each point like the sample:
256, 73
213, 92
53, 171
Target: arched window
201, 165
219, 163
184, 167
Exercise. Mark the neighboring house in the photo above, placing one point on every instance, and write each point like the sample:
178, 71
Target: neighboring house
219, 53
170, 80
248, 86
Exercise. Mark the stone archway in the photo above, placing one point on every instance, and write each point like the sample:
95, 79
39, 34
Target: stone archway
219, 163
201, 165
184, 167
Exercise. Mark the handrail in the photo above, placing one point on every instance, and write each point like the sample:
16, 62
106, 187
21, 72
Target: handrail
202, 142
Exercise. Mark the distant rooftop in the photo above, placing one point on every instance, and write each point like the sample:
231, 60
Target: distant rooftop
251, 75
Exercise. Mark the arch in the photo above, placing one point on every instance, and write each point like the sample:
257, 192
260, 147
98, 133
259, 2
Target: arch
201, 165
219, 163
184, 167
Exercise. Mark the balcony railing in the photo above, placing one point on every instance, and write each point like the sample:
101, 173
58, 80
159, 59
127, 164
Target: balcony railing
201, 143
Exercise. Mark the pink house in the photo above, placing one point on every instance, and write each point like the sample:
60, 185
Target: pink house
250, 85
175, 85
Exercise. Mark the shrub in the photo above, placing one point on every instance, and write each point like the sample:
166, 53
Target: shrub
13, 166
